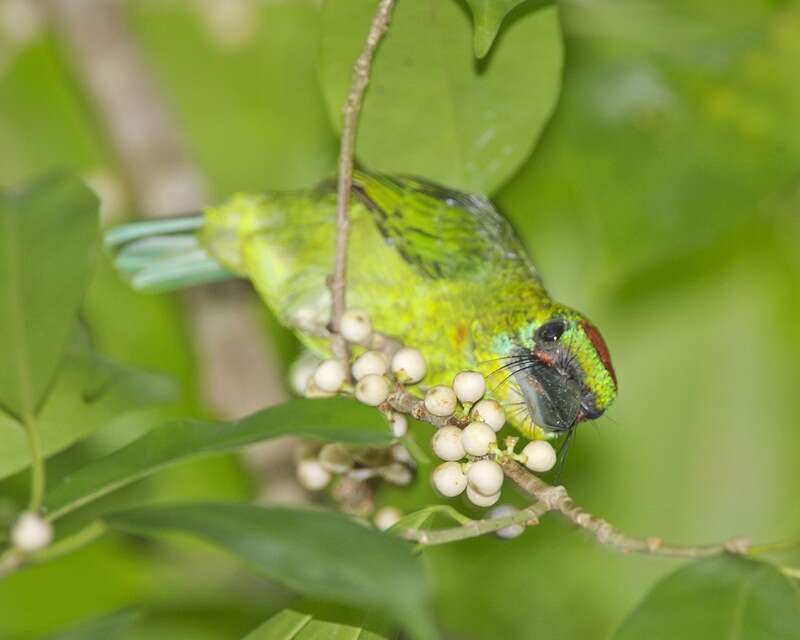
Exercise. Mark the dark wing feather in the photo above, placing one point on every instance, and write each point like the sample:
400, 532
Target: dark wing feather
443, 232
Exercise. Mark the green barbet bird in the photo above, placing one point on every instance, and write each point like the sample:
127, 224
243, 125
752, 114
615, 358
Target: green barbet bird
438, 269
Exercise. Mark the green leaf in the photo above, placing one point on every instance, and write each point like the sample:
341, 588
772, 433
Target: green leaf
323, 554
91, 391
48, 242
722, 597
320, 622
334, 419
282, 626
487, 16
431, 109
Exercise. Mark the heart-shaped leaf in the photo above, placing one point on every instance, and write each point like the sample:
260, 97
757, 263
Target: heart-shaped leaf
487, 16
431, 109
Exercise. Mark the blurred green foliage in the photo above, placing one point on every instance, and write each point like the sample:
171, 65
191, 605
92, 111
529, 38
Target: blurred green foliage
662, 199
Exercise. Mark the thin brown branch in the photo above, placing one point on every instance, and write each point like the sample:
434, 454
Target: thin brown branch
352, 109
402, 401
548, 498
556, 498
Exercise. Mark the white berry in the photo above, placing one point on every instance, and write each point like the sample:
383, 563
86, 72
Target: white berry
512, 530
480, 500
448, 479
329, 376
386, 517
355, 325
447, 443
401, 454
409, 366
312, 475
31, 532
469, 386
441, 401
301, 373
372, 390
335, 457
477, 438
490, 412
486, 477
370, 362
399, 424
541, 456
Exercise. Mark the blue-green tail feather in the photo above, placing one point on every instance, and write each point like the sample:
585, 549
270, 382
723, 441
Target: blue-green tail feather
163, 255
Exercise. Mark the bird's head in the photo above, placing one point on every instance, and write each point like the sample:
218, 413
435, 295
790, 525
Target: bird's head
562, 367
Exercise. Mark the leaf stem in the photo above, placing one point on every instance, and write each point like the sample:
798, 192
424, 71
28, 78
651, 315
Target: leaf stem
529, 516
351, 112
38, 476
71, 543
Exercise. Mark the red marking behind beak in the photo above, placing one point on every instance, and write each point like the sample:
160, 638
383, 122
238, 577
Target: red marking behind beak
601, 348
547, 358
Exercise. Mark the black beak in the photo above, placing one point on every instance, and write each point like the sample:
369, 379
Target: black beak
554, 400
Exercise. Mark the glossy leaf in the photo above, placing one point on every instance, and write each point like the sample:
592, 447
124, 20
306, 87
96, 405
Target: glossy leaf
90, 392
335, 419
431, 109
323, 554
48, 238
318, 622
487, 16
725, 597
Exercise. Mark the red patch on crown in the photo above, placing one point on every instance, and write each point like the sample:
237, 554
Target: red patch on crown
600, 347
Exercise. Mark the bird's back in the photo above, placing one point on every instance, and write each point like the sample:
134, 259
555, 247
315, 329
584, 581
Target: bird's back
424, 261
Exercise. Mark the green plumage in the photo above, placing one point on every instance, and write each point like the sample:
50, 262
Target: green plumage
441, 270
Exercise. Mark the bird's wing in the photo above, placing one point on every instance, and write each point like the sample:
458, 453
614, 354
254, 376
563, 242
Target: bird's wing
441, 232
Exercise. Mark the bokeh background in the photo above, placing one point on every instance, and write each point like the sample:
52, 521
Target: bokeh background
662, 199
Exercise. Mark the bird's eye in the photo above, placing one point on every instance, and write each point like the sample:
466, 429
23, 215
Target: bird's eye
551, 331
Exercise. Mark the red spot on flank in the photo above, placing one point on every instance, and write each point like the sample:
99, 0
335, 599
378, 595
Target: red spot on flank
601, 348
461, 335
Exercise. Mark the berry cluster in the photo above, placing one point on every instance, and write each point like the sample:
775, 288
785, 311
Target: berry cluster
470, 453
317, 465
468, 447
